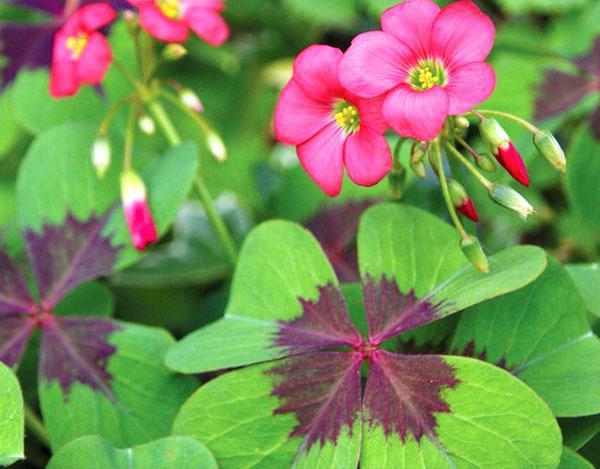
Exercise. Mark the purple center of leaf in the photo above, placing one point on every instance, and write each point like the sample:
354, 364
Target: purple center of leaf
321, 382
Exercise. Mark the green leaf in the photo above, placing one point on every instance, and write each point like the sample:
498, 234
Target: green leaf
10, 131
146, 395
64, 153
587, 279
541, 6
90, 299
37, 111
279, 263
166, 453
494, 420
578, 431
571, 460
11, 418
582, 180
540, 333
422, 253
324, 11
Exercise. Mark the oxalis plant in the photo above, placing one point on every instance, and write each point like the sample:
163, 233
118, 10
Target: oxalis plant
363, 331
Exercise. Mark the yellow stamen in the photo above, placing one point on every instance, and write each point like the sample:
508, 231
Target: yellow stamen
77, 44
170, 8
346, 116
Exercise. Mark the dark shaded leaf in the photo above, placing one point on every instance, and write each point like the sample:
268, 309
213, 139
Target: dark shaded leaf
590, 62
15, 332
74, 349
390, 312
324, 324
323, 391
559, 92
65, 256
14, 294
403, 392
595, 123
335, 228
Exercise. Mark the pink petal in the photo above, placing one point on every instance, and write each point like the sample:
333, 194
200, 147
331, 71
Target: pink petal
95, 16
299, 117
216, 5
95, 60
367, 157
410, 22
158, 25
63, 76
462, 34
416, 114
370, 111
322, 158
375, 63
316, 70
208, 25
469, 85
141, 224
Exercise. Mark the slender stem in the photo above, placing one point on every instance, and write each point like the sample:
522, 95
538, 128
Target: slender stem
467, 147
396, 175
522, 122
206, 128
129, 76
112, 111
446, 192
35, 425
467, 164
129, 138
221, 230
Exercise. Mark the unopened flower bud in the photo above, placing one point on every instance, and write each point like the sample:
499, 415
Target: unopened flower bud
511, 199
174, 51
503, 149
417, 153
146, 124
461, 200
461, 122
101, 156
551, 150
397, 181
216, 146
191, 99
137, 211
486, 163
473, 251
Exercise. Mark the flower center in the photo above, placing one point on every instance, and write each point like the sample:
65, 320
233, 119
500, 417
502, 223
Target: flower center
77, 44
346, 116
426, 75
170, 8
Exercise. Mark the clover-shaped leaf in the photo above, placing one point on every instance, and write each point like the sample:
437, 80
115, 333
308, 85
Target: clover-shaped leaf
11, 418
308, 405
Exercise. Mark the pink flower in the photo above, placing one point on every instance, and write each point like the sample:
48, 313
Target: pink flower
137, 212
330, 126
428, 62
171, 20
81, 54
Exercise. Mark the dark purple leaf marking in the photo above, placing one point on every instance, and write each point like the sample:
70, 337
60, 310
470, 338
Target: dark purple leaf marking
590, 62
76, 349
15, 332
324, 324
14, 294
403, 392
595, 124
390, 312
323, 391
65, 256
322, 388
335, 228
471, 351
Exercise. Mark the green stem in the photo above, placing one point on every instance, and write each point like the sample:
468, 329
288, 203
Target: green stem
198, 119
221, 230
35, 425
129, 76
446, 192
467, 147
467, 164
129, 137
522, 122
112, 111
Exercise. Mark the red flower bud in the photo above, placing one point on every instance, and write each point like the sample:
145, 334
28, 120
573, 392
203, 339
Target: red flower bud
509, 157
461, 200
137, 212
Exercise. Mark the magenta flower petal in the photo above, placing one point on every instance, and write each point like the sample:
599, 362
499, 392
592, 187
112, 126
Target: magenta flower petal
299, 117
208, 25
95, 16
469, 85
367, 157
462, 34
416, 114
375, 63
94, 61
410, 22
322, 157
158, 25
316, 71
371, 113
